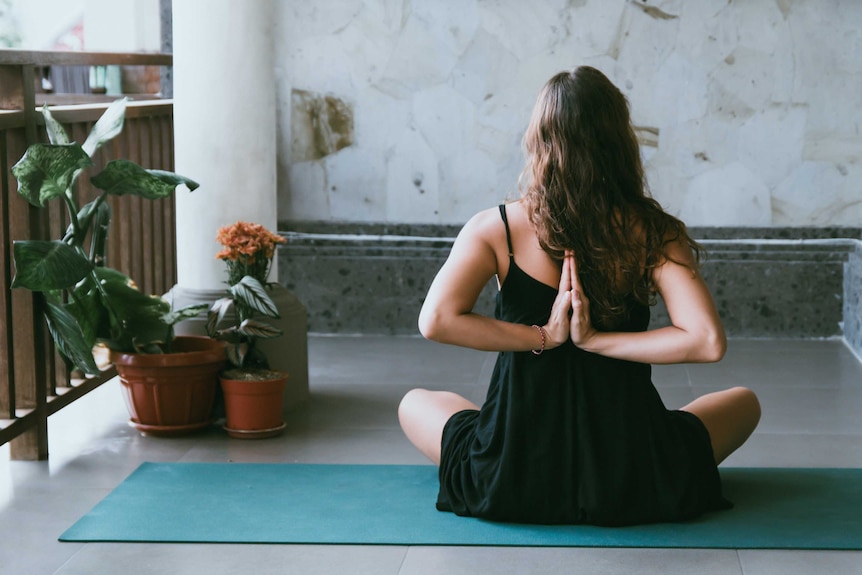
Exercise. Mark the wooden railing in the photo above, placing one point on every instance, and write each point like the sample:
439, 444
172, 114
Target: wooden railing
34, 380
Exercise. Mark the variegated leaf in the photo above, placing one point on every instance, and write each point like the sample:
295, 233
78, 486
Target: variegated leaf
106, 127
216, 314
236, 353
56, 133
126, 178
252, 293
46, 171
187, 312
258, 329
48, 265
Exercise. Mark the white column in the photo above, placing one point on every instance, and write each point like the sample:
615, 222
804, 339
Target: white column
225, 139
224, 125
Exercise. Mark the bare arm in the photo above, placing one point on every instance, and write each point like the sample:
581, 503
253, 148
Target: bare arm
447, 315
694, 336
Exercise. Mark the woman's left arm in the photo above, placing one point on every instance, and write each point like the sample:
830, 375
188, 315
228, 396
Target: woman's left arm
695, 335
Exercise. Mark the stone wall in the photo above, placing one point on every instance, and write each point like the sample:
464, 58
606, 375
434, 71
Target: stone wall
394, 111
372, 278
853, 301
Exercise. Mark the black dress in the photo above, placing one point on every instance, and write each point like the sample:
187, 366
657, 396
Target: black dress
573, 437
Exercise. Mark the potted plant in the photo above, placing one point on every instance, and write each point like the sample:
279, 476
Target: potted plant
86, 303
252, 392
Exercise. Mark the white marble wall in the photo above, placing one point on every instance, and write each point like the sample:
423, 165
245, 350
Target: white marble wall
757, 104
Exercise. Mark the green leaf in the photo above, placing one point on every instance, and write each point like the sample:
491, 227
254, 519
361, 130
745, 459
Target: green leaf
101, 221
252, 294
97, 212
46, 171
107, 127
175, 179
69, 338
187, 312
216, 314
86, 306
56, 133
48, 265
139, 317
122, 177
258, 329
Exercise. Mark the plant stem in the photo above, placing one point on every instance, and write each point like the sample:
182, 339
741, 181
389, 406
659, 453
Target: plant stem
77, 240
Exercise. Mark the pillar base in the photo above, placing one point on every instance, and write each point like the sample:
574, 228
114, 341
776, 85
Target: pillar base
287, 353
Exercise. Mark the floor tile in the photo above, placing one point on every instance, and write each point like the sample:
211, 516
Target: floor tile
519, 560
376, 446
783, 364
398, 360
801, 410
182, 559
755, 562
798, 450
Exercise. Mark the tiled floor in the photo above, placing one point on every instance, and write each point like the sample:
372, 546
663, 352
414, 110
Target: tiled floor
812, 416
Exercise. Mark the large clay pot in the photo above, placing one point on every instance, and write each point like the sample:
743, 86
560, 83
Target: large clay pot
253, 408
172, 393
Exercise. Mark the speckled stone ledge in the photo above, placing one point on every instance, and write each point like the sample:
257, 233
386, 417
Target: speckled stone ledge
853, 300
372, 278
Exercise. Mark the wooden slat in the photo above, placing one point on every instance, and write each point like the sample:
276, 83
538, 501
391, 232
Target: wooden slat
47, 58
28, 342
158, 220
11, 88
91, 113
57, 100
7, 381
170, 213
10, 119
135, 225
145, 153
29, 104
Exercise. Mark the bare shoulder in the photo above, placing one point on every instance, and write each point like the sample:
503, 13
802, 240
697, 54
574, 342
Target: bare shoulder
483, 222
486, 227
678, 264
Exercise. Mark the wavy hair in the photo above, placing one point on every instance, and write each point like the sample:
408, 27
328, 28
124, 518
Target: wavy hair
585, 190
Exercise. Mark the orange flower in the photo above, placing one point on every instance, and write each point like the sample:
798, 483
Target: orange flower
248, 249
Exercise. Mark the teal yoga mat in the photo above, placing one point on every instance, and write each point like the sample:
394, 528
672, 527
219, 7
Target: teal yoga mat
394, 505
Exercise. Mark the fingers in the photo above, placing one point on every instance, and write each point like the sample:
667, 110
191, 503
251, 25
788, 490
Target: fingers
557, 327
566, 276
562, 305
573, 270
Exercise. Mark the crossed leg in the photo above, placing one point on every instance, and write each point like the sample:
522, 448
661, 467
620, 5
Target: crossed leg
729, 416
423, 414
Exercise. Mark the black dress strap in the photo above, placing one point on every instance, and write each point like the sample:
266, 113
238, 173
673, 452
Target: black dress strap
508, 235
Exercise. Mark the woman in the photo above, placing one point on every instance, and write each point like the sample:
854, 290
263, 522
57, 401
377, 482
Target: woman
572, 429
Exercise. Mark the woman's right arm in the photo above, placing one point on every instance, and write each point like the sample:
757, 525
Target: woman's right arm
447, 314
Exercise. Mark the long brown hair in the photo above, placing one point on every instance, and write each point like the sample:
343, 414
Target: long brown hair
585, 190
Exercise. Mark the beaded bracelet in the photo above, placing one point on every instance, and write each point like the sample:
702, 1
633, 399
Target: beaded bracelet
542, 333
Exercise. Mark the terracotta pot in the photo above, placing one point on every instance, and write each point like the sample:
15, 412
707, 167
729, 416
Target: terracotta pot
253, 408
172, 393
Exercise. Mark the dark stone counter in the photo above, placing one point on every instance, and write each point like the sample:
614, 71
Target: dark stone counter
767, 282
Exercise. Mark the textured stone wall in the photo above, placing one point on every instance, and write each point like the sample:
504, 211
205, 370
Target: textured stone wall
748, 112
